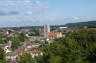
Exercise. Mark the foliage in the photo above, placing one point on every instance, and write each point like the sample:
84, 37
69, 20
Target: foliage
78, 47
21, 37
15, 43
82, 24
37, 41
17, 40
35, 32
25, 58
3, 41
2, 57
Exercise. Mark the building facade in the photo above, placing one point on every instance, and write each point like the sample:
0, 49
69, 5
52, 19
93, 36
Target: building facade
46, 30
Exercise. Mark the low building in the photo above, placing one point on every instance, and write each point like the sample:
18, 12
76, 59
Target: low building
54, 35
7, 47
11, 56
34, 53
33, 38
31, 45
36, 45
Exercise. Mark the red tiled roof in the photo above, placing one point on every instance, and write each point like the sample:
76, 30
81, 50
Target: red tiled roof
32, 51
53, 33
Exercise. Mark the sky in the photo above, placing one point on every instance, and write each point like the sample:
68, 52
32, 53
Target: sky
15, 13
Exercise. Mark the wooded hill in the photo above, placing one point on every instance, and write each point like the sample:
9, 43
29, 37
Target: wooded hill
82, 24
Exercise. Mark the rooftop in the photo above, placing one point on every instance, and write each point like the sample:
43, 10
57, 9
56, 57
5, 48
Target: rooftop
29, 51
53, 33
11, 54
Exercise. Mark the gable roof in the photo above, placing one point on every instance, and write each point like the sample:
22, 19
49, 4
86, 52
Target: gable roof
29, 51
11, 54
53, 33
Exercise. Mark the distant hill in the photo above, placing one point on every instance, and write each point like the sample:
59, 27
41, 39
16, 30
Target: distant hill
82, 24
78, 24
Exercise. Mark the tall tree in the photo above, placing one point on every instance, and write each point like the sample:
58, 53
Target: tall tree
26, 58
15, 43
2, 56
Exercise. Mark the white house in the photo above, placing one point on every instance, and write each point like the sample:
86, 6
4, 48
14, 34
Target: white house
34, 53
11, 56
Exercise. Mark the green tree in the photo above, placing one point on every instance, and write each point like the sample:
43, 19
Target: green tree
15, 43
2, 56
37, 41
25, 58
77, 47
22, 37
56, 59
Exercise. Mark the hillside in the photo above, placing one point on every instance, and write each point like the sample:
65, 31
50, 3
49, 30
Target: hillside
82, 24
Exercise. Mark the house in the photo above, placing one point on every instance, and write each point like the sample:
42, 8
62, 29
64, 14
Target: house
67, 30
7, 47
23, 48
31, 45
34, 53
54, 35
24, 31
42, 40
36, 45
33, 38
11, 56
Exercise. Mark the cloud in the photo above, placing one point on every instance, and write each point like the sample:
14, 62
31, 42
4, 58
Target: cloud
2, 13
73, 18
24, 20
31, 20
29, 13
13, 13
76, 18
24, 3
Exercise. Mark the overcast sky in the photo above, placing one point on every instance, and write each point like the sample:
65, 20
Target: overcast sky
39, 12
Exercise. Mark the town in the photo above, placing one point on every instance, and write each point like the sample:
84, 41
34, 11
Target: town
47, 31
17, 42
20, 41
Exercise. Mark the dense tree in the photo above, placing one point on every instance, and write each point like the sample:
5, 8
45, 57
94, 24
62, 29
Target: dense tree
21, 37
35, 32
3, 41
37, 41
17, 40
25, 58
77, 47
2, 57
15, 43
56, 59
90, 24
39, 59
